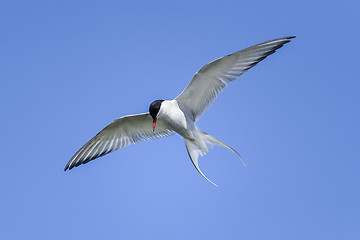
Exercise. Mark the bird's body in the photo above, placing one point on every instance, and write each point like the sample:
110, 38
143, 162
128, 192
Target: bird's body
180, 114
176, 119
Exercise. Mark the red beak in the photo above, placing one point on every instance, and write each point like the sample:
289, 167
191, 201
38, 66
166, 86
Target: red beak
154, 124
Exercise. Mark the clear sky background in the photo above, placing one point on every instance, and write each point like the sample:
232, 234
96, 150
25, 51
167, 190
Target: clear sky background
68, 68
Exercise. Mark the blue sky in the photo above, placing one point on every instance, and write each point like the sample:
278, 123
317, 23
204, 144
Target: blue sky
68, 68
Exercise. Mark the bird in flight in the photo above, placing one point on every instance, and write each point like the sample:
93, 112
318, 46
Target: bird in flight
166, 117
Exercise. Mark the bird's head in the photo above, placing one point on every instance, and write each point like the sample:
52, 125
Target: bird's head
154, 110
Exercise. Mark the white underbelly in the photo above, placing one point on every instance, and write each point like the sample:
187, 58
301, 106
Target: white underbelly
176, 119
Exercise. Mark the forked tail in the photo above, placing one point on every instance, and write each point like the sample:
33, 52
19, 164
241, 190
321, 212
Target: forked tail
194, 151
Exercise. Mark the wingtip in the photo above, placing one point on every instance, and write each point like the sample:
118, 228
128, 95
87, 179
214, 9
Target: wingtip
68, 166
283, 40
288, 39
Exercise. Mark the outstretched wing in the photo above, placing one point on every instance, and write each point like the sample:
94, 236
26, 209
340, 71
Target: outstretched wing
118, 134
212, 78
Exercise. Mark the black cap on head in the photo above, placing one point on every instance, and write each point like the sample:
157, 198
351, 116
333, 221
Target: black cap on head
155, 107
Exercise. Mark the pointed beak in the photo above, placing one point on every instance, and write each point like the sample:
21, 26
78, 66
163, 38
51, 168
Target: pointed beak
154, 124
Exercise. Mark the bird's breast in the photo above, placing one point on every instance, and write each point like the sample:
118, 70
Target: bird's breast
176, 119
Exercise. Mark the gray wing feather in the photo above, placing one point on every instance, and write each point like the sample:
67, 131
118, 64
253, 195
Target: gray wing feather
119, 134
212, 78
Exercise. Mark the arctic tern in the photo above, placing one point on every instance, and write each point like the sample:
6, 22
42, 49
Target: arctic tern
166, 117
